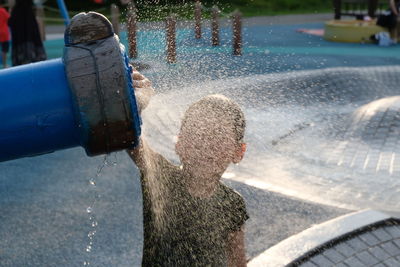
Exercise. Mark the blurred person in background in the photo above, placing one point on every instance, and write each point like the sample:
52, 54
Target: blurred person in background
389, 18
4, 33
27, 45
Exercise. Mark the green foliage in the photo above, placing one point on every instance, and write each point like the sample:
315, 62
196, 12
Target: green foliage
273, 7
159, 9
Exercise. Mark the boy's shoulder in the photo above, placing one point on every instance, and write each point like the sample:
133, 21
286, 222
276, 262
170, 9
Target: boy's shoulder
231, 194
234, 206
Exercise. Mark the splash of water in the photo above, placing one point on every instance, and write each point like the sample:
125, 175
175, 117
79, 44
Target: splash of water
90, 209
297, 125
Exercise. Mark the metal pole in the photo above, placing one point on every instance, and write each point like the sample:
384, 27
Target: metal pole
197, 18
215, 26
237, 33
132, 28
171, 39
337, 6
372, 6
40, 20
115, 18
63, 11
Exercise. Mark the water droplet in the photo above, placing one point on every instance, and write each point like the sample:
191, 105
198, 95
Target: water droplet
88, 248
91, 234
94, 224
86, 263
92, 182
118, 92
89, 210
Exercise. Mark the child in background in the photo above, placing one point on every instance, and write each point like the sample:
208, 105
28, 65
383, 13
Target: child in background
27, 45
190, 218
4, 33
389, 18
395, 9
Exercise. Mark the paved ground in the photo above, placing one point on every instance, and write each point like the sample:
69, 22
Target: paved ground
364, 238
379, 246
44, 200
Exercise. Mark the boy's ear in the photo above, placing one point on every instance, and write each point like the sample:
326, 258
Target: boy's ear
241, 150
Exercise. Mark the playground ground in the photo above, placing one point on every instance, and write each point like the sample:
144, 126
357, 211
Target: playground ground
43, 200
270, 45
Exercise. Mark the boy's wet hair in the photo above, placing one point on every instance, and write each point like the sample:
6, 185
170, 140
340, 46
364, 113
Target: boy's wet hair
219, 108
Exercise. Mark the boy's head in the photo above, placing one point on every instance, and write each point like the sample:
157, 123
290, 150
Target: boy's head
211, 135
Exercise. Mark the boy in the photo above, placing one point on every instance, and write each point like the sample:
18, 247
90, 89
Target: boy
190, 217
4, 33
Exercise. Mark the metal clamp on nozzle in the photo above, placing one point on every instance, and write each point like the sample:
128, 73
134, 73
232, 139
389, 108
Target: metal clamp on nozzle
99, 77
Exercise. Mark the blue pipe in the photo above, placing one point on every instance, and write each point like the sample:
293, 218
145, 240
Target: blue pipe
36, 110
63, 11
84, 99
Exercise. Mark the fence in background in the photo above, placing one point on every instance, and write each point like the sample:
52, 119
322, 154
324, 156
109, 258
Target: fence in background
170, 30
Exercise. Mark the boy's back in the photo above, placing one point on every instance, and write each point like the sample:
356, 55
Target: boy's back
182, 230
190, 218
